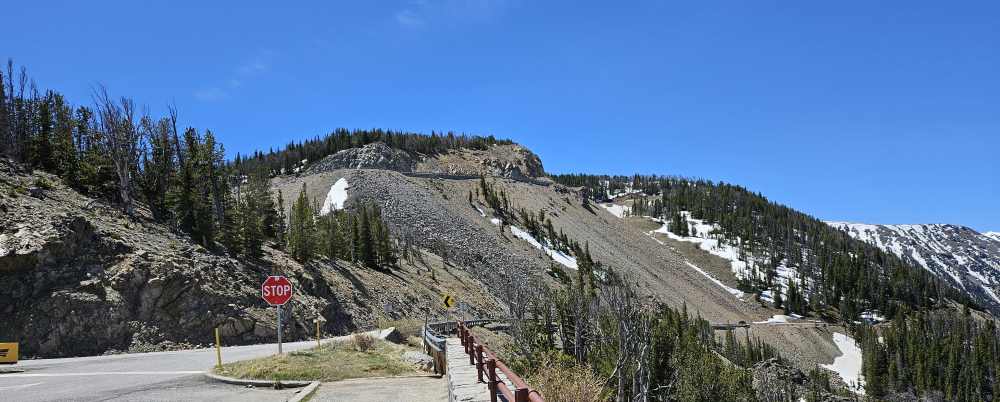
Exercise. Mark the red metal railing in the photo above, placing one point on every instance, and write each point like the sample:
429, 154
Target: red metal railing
487, 365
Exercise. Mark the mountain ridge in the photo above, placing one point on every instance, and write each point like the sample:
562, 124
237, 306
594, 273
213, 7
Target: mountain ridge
958, 254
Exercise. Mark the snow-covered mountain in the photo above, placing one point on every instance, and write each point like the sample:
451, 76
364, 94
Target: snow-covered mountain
968, 259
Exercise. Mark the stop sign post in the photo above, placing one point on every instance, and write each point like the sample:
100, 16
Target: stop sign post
276, 291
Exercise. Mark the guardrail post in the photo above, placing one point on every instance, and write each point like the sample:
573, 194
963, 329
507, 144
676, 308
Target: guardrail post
461, 333
472, 354
479, 362
521, 395
491, 374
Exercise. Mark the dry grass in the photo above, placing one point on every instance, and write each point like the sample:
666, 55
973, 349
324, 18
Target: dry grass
331, 362
362, 342
500, 343
561, 380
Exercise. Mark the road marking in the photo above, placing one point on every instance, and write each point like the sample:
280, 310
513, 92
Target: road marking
99, 373
22, 386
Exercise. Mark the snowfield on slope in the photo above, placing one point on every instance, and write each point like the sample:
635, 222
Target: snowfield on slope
702, 235
776, 319
848, 364
336, 198
615, 209
735, 292
558, 256
970, 259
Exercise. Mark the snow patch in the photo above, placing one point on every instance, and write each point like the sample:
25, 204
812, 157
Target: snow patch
495, 221
704, 235
993, 235
991, 293
777, 318
558, 256
336, 198
481, 211
615, 209
872, 316
848, 364
735, 292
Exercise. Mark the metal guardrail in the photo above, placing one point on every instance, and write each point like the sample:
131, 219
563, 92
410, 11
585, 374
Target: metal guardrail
434, 345
487, 364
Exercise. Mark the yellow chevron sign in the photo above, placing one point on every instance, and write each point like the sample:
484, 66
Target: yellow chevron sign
448, 301
8, 353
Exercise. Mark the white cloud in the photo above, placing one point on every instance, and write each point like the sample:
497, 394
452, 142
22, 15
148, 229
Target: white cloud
254, 67
210, 94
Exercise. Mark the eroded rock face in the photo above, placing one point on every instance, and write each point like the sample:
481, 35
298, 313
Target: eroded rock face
372, 156
80, 279
776, 381
508, 161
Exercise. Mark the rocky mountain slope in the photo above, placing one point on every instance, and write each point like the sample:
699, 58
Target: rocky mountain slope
433, 212
79, 278
961, 256
510, 161
87, 280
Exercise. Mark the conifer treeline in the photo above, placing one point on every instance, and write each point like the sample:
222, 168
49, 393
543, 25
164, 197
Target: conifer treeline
112, 151
932, 355
360, 236
639, 352
287, 159
835, 269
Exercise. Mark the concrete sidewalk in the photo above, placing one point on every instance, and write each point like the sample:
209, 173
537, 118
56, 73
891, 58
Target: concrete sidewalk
404, 389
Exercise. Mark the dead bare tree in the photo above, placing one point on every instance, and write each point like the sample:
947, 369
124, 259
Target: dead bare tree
172, 109
120, 140
631, 330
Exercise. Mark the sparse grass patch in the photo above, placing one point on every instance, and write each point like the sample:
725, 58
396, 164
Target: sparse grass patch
331, 362
43, 183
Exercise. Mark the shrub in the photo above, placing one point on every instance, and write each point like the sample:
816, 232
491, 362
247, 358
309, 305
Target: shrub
363, 342
43, 183
559, 379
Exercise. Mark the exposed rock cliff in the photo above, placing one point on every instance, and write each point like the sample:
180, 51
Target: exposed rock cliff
79, 278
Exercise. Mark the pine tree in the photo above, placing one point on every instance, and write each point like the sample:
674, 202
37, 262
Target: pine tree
302, 229
366, 246
65, 154
280, 226
42, 147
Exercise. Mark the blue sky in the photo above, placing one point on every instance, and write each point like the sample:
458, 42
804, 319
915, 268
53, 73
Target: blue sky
848, 110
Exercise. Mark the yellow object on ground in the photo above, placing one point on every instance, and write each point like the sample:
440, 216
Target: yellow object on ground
8, 353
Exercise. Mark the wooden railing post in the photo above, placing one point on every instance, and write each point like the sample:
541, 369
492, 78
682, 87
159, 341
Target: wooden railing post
471, 350
461, 332
521, 395
479, 362
491, 374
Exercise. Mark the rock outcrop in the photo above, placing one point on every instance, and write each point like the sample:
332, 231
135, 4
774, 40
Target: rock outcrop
506, 161
372, 156
79, 278
777, 381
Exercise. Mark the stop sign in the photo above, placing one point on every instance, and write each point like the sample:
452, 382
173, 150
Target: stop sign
276, 290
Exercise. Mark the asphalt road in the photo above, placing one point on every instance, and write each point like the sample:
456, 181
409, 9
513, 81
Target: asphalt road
159, 376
